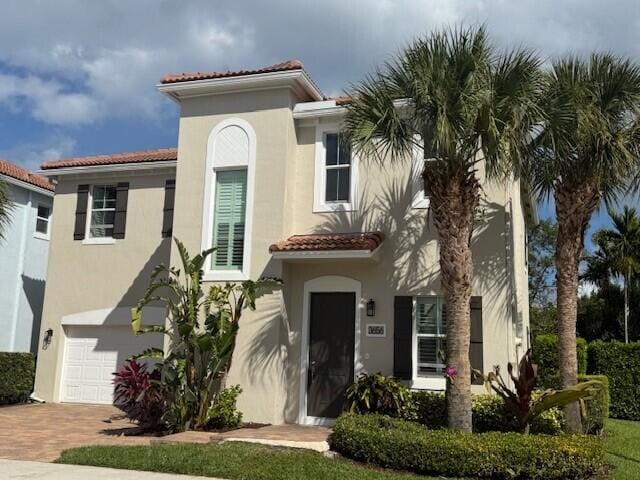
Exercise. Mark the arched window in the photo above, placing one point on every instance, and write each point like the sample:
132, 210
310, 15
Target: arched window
229, 200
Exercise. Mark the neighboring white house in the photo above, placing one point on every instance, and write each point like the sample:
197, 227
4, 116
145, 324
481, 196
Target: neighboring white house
23, 258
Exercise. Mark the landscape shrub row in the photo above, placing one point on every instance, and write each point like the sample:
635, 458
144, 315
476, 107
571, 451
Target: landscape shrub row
17, 373
621, 364
490, 414
402, 445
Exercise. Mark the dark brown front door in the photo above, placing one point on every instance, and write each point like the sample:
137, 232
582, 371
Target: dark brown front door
331, 342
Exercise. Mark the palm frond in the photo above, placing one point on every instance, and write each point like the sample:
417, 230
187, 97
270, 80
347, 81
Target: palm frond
6, 209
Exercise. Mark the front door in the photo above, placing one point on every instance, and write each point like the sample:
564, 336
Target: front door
331, 344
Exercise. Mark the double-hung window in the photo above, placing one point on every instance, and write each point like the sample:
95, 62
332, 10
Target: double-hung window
335, 172
43, 215
430, 333
229, 219
338, 169
103, 211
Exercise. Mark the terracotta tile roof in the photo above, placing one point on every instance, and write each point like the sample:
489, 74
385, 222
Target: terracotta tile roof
330, 241
341, 100
14, 171
188, 77
159, 155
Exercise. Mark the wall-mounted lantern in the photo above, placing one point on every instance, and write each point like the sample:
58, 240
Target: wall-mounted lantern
48, 337
371, 308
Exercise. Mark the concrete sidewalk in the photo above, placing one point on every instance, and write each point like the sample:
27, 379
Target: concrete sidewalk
19, 470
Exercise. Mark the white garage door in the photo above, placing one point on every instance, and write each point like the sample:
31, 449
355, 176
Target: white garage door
92, 355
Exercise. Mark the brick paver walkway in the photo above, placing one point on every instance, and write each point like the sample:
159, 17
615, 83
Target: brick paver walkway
41, 432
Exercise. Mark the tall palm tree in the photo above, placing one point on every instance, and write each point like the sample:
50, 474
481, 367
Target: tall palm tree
618, 253
6, 206
587, 151
453, 96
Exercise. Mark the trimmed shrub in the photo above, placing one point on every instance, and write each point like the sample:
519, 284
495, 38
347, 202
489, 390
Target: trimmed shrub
223, 414
545, 356
402, 445
621, 364
17, 373
490, 414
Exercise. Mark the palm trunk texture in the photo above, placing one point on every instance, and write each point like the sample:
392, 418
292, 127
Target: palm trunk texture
574, 207
454, 202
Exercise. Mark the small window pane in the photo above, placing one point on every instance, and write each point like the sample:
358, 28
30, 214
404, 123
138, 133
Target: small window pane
427, 322
338, 182
43, 212
331, 146
42, 226
103, 217
331, 193
344, 175
344, 157
229, 216
101, 231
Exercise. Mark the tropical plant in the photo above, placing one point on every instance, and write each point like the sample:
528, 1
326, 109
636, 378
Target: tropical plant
522, 401
6, 206
224, 414
138, 393
201, 330
377, 393
586, 151
462, 104
617, 254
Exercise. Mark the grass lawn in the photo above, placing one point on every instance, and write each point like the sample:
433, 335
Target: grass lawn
233, 461
623, 445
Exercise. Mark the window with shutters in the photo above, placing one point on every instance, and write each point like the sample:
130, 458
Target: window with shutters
228, 200
102, 203
229, 218
430, 332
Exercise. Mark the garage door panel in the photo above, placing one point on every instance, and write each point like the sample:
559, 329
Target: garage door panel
92, 355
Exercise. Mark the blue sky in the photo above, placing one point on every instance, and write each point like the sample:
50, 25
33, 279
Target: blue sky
78, 78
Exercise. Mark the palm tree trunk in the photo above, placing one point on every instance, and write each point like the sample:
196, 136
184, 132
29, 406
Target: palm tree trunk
574, 207
626, 278
454, 201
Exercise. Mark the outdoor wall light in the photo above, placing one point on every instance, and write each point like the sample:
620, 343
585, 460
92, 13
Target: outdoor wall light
48, 336
371, 308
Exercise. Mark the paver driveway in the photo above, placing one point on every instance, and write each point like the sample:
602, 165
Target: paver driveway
41, 432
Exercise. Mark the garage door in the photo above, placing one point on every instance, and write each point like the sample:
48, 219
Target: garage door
92, 355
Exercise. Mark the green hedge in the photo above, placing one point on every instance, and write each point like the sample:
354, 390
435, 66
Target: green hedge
17, 372
621, 364
545, 355
402, 445
489, 414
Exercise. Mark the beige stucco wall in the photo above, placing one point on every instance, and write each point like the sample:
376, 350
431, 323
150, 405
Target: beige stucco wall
86, 278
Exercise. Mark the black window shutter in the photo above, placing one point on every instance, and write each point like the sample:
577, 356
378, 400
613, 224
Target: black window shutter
475, 350
167, 212
81, 212
402, 337
120, 222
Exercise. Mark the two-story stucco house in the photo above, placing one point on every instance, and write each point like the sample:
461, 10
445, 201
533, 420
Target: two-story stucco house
23, 258
262, 173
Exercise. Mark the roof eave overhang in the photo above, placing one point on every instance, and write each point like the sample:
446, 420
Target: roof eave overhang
310, 255
296, 80
26, 185
144, 167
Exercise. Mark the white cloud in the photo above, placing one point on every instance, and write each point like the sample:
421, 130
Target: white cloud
32, 155
94, 60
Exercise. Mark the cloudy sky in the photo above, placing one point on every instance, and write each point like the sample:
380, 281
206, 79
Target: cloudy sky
78, 77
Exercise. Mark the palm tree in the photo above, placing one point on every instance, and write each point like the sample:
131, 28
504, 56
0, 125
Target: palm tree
453, 96
6, 206
618, 254
586, 151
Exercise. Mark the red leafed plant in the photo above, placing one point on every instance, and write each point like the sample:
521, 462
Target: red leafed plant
138, 394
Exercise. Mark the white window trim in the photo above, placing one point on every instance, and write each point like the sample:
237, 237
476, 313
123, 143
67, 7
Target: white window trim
418, 198
40, 235
320, 176
208, 209
88, 239
328, 283
435, 381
